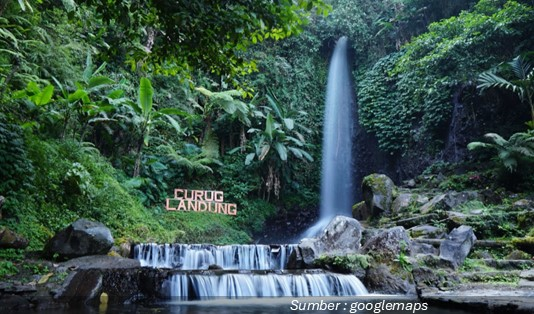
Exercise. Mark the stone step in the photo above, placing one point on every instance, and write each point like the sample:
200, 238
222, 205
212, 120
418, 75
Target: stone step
505, 264
478, 243
528, 275
488, 276
526, 284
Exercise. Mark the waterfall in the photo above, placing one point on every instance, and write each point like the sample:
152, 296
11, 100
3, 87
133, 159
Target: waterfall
201, 256
193, 286
337, 191
247, 271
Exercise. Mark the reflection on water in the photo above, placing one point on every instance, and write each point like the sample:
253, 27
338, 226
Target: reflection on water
367, 304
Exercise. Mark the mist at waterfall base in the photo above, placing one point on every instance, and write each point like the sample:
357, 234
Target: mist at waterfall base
337, 191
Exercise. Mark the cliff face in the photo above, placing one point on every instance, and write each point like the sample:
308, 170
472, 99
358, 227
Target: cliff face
472, 116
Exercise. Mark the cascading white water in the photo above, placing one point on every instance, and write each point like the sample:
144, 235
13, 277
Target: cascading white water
337, 196
201, 256
187, 286
248, 271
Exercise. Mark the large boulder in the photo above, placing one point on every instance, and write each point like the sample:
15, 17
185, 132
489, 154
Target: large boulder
389, 244
457, 245
378, 192
11, 240
81, 238
341, 236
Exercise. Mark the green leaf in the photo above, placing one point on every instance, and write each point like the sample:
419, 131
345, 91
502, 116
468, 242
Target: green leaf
282, 150
269, 126
116, 94
97, 82
77, 95
174, 111
249, 158
44, 97
146, 93
33, 88
289, 123
264, 150
69, 5
174, 124
204, 91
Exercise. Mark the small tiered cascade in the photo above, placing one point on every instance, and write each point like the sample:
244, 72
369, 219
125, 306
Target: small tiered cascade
247, 271
187, 286
201, 256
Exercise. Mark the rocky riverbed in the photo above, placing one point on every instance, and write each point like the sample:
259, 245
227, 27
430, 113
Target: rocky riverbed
469, 250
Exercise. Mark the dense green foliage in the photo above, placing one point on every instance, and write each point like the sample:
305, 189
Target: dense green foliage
106, 107
406, 97
201, 34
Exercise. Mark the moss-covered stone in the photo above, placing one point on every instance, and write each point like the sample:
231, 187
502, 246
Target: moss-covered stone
378, 192
524, 244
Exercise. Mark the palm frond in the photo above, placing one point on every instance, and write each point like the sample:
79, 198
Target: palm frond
521, 67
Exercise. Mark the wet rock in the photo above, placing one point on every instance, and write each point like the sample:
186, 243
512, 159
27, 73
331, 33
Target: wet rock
524, 204
428, 279
409, 183
341, 236
379, 279
426, 232
432, 204
525, 244
11, 240
214, 267
83, 237
449, 201
378, 192
389, 244
99, 262
417, 220
80, 287
518, 255
401, 203
456, 219
457, 245
360, 211
408, 202
305, 254
424, 248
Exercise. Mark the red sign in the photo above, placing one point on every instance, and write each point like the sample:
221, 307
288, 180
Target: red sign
200, 201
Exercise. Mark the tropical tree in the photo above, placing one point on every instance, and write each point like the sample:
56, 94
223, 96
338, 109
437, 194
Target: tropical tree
273, 145
147, 117
522, 84
224, 105
201, 34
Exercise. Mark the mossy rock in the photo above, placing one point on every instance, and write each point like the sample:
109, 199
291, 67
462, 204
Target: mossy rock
525, 244
378, 192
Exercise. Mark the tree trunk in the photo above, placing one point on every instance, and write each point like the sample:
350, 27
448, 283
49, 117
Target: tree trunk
137, 164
